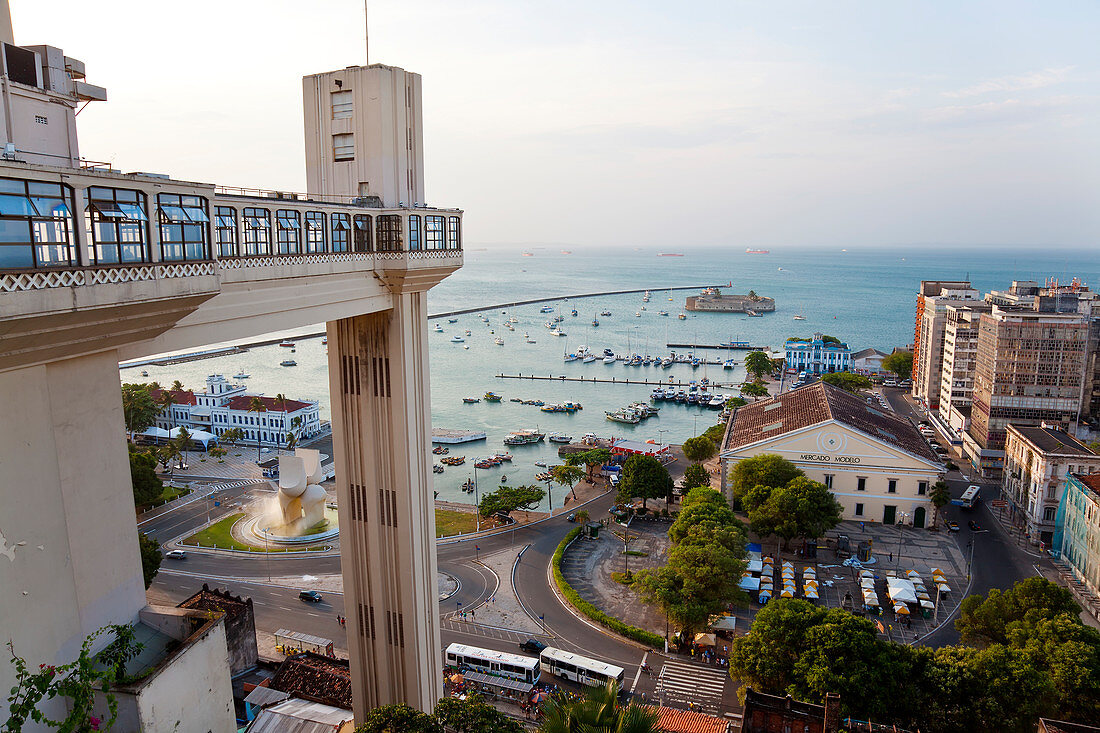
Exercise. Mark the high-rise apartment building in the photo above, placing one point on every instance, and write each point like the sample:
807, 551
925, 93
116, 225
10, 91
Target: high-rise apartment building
960, 352
1030, 370
932, 302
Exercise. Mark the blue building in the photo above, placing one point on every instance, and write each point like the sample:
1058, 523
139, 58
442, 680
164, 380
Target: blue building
1077, 530
818, 357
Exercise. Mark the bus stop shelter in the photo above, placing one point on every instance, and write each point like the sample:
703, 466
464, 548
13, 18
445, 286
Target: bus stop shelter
296, 642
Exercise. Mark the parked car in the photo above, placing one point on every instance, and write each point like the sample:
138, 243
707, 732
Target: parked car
504, 518
534, 646
952, 526
175, 555
974, 526
311, 596
890, 383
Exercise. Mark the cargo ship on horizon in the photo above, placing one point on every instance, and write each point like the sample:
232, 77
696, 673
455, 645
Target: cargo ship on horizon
670, 254
751, 251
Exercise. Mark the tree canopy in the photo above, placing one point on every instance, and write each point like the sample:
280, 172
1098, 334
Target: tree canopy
644, 477
508, 499
847, 381
699, 449
1036, 659
139, 409
143, 476
755, 389
767, 469
696, 475
590, 459
567, 475
802, 508
150, 558
758, 364
451, 715
899, 363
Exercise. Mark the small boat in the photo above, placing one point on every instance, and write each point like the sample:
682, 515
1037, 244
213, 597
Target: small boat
605, 313
498, 341
453, 460
662, 313
288, 362
637, 314
503, 479
609, 359
595, 322
456, 339
324, 341
145, 373
452, 320
728, 364
513, 319
436, 468
504, 457
570, 406
623, 417
287, 344
524, 437
556, 332
682, 316
440, 450
546, 309
471, 400
468, 486
540, 464
559, 438
438, 328
570, 357
589, 358
492, 397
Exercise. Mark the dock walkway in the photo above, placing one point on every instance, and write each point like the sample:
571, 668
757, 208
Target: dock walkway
670, 382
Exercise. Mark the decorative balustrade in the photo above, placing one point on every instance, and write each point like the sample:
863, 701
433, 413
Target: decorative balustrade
25, 280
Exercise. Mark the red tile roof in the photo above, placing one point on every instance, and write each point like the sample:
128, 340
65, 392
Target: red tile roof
242, 402
182, 397
818, 403
1092, 480
314, 677
684, 721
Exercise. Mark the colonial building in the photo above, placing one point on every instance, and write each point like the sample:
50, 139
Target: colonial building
1077, 530
877, 465
817, 356
1037, 461
868, 362
224, 405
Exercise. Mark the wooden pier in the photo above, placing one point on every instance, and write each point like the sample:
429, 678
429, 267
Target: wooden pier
671, 382
719, 347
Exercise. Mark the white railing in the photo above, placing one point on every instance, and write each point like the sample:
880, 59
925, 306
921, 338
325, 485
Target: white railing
44, 279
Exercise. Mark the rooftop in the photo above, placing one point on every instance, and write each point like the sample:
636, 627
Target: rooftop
1051, 440
685, 721
317, 678
818, 403
299, 716
209, 599
1091, 480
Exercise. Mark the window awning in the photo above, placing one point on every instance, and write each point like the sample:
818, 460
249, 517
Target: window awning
16, 206
108, 209
340, 224
504, 683
288, 223
196, 214
315, 224
254, 222
174, 214
132, 212
226, 222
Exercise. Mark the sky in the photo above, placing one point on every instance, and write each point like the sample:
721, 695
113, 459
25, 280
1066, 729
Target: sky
643, 123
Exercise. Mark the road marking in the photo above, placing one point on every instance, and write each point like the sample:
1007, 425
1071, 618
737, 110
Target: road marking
683, 682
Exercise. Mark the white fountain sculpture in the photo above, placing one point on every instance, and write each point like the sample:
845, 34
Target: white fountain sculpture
301, 499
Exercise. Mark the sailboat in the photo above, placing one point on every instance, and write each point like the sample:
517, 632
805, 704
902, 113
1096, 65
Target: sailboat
800, 317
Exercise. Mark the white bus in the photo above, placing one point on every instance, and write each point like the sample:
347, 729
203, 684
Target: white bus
492, 662
970, 497
580, 669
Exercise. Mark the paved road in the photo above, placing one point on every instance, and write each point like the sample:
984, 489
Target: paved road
191, 516
997, 562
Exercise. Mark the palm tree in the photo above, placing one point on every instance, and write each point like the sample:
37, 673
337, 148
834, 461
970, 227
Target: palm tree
599, 710
177, 386
280, 399
166, 400
291, 441
181, 443
940, 496
257, 406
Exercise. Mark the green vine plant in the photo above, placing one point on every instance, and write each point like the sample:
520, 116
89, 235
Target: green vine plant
77, 682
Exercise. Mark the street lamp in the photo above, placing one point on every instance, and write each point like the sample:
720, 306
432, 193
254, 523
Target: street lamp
661, 437
267, 554
550, 496
477, 507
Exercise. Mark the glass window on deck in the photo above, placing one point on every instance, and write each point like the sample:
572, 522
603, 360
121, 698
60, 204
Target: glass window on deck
225, 230
257, 232
289, 227
183, 228
315, 232
433, 232
118, 224
341, 226
414, 232
36, 225
364, 241
454, 232
389, 233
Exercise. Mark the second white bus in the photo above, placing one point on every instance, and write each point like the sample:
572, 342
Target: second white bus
970, 497
492, 662
576, 668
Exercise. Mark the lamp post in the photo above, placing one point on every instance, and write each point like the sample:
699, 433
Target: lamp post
903, 516
267, 554
550, 496
477, 507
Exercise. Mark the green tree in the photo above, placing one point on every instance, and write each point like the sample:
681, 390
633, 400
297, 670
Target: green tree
508, 499
899, 363
699, 449
847, 381
696, 475
143, 476
802, 508
567, 476
232, 435
280, 401
646, 478
257, 406
758, 364
591, 459
473, 715
165, 402
139, 409
399, 718
150, 558
291, 441
755, 389
1094, 446
734, 402
940, 496
181, 442
218, 452
599, 711
766, 469
716, 433
703, 495
78, 683
1002, 616
177, 386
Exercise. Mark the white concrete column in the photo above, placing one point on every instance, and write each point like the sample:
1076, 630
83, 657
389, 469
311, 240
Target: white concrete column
381, 419
69, 560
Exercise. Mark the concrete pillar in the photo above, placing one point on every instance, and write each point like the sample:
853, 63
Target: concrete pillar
69, 560
378, 376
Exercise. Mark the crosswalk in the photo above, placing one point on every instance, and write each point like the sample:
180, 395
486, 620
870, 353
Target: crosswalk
691, 685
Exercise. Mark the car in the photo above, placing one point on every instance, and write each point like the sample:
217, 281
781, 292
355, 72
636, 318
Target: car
175, 555
890, 383
905, 383
534, 646
311, 596
952, 526
974, 526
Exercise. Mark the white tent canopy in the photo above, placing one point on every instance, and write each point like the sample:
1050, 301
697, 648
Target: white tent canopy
201, 437
901, 591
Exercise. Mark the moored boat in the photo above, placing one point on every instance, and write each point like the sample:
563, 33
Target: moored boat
559, 438
492, 397
288, 363
471, 400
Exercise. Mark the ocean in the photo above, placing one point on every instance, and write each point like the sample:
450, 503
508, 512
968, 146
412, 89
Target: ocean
865, 297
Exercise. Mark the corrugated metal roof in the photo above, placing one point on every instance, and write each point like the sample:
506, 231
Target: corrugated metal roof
265, 696
299, 716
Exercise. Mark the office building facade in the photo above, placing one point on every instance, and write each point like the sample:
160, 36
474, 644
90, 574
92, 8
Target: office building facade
928, 334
